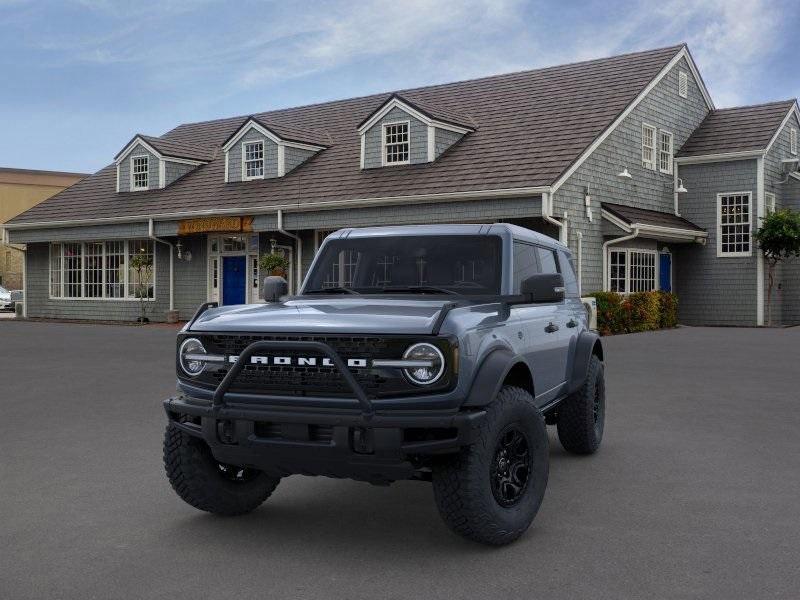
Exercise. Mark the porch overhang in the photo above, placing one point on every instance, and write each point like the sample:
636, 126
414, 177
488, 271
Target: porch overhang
664, 227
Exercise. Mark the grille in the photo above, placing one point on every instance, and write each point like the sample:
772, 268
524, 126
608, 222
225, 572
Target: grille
293, 380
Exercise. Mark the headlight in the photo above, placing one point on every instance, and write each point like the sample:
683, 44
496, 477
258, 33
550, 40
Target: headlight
190, 356
431, 357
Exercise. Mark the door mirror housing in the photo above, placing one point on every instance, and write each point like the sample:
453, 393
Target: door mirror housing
543, 288
274, 288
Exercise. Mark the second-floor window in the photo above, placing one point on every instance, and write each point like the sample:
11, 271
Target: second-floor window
140, 167
665, 152
648, 146
396, 146
733, 224
253, 160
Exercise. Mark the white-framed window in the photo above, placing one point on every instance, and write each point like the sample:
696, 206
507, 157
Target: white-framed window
253, 160
769, 200
793, 140
140, 173
396, 144
665, 144
632, 270
99, 270
648, 146
683, 84
734, 224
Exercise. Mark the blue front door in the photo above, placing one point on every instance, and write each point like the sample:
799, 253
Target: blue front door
233, 280
665, 272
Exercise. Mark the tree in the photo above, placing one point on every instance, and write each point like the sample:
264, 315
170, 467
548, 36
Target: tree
779, 240
142, 265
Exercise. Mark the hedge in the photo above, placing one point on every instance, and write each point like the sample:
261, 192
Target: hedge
640, 311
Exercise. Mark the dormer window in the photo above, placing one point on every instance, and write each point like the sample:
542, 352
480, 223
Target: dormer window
396, 148
253, 153
140, 170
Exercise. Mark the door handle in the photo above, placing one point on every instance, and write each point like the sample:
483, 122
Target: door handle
551, 328
572, 323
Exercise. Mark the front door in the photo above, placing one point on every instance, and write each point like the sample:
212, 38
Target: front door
665, 272
234, 279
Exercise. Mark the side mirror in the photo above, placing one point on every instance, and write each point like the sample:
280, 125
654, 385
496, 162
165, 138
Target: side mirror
274, 288
543, 287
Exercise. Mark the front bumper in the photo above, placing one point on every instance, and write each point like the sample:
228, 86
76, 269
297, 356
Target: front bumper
385, 446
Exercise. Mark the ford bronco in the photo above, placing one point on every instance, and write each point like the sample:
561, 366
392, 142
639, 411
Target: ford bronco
434, 353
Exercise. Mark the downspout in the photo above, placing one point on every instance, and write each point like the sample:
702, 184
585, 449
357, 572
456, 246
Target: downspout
579, 235
547, 211
151, 234
618, 240
299, 242
675, 188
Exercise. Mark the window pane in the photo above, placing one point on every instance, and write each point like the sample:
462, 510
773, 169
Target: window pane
93, 270
140, 170
73, 270
547, 260
254, 159
55, 270
140, 273
570, 279
397, 143
115, 269
526, 263
734, 219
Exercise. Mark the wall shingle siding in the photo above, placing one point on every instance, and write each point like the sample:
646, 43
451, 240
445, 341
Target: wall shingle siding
294, 157
270, 156
443, 139
174, 171
418, 139
715, 290
786, 289
651, 190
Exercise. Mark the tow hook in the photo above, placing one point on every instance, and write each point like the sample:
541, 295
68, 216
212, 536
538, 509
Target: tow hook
226, 432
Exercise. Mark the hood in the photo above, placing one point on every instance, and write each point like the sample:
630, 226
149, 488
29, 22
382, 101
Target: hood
326, 315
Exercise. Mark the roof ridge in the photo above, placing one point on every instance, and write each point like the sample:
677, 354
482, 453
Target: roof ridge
389, 93
788, 101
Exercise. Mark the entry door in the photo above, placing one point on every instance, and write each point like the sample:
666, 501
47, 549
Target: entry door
234, 279
665, 272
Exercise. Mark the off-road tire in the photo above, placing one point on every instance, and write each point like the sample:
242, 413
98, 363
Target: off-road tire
201, 482
462, 484
581, 417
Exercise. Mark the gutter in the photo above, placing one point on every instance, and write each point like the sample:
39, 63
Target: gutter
297, 239
152, 236
605, 253
580, 262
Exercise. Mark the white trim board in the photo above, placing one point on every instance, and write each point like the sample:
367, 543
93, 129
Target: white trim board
252, 124
654, 231
398, 103
138, 140
722, 157
683, 53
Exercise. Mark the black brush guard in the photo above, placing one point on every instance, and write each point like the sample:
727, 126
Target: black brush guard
321, 347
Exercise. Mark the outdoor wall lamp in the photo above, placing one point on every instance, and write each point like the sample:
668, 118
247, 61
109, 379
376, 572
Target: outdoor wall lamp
680, 189
625, 174
183, 254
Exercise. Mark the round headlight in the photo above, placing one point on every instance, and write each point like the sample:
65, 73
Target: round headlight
188, 355
428, 353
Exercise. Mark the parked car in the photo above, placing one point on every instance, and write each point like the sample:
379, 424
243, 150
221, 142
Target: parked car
435, 353
5, 299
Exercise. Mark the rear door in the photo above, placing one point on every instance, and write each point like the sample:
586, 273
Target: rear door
539, 326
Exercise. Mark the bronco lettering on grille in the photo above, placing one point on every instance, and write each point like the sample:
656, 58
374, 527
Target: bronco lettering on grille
300, 361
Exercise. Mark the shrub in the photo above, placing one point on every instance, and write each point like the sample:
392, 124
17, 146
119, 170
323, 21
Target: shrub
640, 311
668, 309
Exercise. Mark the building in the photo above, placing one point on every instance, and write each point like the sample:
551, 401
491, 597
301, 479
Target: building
625, 159
21, 189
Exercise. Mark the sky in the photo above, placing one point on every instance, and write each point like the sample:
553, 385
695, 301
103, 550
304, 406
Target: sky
80, 78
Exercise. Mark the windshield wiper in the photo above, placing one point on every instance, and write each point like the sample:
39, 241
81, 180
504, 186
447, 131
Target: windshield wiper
332, 290
419, 288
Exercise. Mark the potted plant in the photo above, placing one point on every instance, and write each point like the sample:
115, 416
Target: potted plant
274, 264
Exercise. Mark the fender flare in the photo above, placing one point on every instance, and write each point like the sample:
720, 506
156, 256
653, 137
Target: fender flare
584, 348
490, 376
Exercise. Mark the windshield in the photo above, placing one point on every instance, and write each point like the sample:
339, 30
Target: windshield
445, 264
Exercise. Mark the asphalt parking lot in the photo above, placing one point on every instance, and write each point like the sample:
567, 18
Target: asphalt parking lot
694, 494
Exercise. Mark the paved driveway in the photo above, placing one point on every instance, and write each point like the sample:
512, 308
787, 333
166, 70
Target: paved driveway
695, 493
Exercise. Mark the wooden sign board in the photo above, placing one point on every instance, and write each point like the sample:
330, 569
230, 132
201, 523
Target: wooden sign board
216, 224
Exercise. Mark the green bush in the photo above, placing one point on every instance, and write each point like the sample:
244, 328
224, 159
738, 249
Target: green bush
640, 311
668, 309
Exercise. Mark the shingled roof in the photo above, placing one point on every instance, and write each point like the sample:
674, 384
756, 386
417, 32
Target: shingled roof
641, 216
530, 127
173, 148
740, 129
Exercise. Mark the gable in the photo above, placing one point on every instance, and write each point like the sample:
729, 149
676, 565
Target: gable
124, 166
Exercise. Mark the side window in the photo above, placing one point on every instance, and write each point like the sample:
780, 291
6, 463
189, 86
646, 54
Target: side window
526, 263
547, 260
570, 280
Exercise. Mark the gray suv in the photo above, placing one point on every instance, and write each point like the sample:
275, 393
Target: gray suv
434, 353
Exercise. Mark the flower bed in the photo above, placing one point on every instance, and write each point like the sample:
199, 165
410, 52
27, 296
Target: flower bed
640, 311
